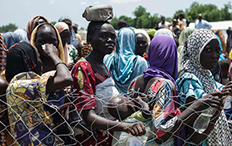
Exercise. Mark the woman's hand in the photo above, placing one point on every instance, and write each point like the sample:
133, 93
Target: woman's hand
49, 50
227, 89
135, 129
211, 100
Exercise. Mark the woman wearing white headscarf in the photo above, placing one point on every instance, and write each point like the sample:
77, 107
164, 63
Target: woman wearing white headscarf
201, 54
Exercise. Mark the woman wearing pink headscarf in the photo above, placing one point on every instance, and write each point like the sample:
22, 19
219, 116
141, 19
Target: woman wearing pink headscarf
70, 52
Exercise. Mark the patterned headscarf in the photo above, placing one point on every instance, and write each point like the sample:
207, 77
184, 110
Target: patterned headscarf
162, 57
191, 59
32, 24
60, 52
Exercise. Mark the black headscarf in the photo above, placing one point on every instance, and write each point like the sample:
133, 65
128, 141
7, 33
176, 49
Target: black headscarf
21, 57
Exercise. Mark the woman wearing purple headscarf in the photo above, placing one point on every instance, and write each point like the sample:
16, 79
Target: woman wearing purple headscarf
157, 90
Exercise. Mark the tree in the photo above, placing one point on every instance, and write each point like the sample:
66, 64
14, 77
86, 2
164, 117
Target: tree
53, 22
114, 22
139, 11
209, 12
10, 27
144, 19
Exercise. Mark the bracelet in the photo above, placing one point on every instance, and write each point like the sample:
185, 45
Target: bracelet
60, 63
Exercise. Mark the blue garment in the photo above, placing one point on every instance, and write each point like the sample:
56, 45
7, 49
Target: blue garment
10, 38
124, 65
221, 56
73, 39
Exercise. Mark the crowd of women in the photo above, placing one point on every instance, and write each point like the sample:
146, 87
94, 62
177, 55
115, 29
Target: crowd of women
135, 87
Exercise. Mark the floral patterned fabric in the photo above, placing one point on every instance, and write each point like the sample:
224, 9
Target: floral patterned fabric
33, 114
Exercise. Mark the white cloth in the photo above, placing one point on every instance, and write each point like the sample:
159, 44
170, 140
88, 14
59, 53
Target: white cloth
165, 24
104, 92
203, 24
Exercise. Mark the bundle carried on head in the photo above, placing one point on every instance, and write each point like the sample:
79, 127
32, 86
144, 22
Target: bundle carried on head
98, 13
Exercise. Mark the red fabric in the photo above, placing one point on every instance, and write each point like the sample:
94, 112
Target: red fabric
156, 85
145, 56
84, 100
84, 97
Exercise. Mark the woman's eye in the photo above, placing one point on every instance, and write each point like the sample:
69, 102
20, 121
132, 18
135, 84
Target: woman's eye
103, 36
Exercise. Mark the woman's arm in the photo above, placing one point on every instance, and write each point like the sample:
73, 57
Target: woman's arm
62, 77
96, 121
189, 115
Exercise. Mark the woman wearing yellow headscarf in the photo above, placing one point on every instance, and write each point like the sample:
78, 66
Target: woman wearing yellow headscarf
47, 39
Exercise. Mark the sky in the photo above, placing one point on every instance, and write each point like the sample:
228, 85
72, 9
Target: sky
19, 12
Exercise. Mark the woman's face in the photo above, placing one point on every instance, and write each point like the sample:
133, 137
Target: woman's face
141, 44
104, 40
64, 36
210, 54
45, 34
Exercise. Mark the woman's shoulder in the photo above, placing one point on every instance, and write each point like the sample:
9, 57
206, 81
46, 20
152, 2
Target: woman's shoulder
187, 77
82, 63
24, 76
158, 82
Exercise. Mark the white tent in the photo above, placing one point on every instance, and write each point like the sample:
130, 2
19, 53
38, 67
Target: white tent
223, 25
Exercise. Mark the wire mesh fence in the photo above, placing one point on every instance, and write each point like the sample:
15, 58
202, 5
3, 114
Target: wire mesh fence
40, 122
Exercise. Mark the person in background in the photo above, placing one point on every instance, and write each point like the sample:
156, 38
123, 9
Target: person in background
156, 27
185, 33
174, 25
75, 28
179, 23
182, 19
151, 33
10, 38
229, 41
202, 24
84, 49
163, 22
163, 31
123, 64
70, 52
33, 23
121, 23
3, 53
142, 43
222, 41
72, 37
22, 34
224, 70
188, 23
